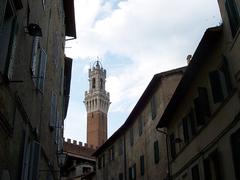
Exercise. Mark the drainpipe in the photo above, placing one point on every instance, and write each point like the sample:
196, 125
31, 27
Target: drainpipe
124, 157
168, 161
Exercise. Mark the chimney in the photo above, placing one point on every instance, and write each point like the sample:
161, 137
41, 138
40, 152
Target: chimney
189, 58
74, 142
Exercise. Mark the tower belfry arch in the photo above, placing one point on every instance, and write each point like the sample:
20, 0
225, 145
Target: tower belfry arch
97, 101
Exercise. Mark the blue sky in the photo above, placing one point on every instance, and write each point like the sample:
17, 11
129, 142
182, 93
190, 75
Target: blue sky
134, 40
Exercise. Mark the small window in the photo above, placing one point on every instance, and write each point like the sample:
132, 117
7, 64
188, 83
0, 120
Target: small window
195, 173
153, 108
220, 82
120, 176
140, 125
212, 168
101, 83
53, 115
156, 152
111, 154
120, 144
172, 146
233, 15
235, 143
93, 83
132, 172
131, 134
142, 165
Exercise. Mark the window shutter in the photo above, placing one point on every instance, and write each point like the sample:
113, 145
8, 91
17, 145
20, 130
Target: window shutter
225, 70
172, 145
35, 56
193, 130
26, 155
195, 173
185, 129
233, 15
215, 82
153, 107
134, 172
12, 49
53, 111
140, 125
199, 115
204, 102
142, 165
131, 136
130, 173
42, 70
57, 128
34, 160
156, 152
235, 143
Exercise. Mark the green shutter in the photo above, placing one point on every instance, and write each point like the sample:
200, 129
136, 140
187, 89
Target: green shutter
217, 91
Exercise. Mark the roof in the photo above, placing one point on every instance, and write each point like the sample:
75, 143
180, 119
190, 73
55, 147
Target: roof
209, 39
78, 151
138, 107
69, 18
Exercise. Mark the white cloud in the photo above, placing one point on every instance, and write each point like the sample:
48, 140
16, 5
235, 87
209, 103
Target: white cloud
155, 35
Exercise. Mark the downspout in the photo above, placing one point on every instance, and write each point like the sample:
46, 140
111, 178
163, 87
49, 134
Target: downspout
124, 157
168, 161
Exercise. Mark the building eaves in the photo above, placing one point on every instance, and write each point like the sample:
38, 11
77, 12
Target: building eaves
209, 39
156, 80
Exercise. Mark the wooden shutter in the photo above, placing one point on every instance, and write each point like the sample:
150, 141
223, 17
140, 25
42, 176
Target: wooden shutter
42, 70
26, 156
235, 143
142, 165
185, 124
156, 152
193, 130
53, 111
34, 161
217, 91
140, 125
172, 145
233, 16
134, 172
195, 173
131, 133
204, 102
153, 107
130, 173
199, 115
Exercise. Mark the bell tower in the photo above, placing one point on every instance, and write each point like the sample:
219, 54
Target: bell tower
97, 103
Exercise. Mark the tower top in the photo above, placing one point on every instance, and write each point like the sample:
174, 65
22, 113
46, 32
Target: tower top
97, 98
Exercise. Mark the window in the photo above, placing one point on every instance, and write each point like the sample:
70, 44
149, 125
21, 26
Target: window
212, 169
99, 162
172, 146
142, 165
201, 104
233, 10
132, 172
131, 134
53, 115
93, 83
8, 32
156, 152
120, 149
101, 83
235, 143
195, 173
220, 82
153, 107
120, 176
140, 125
111, 154
31, 160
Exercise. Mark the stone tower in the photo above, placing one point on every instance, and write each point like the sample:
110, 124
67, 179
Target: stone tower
97, 103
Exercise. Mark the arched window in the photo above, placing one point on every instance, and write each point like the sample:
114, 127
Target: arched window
93, 83
101, 83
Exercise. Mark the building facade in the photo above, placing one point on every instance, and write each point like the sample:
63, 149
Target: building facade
202, 118
34, 86
136, 151
97, 103
80, 164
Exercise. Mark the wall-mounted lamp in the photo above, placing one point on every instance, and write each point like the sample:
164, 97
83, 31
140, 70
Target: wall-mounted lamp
34, 30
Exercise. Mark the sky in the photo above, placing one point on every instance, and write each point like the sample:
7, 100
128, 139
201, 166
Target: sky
133, 39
